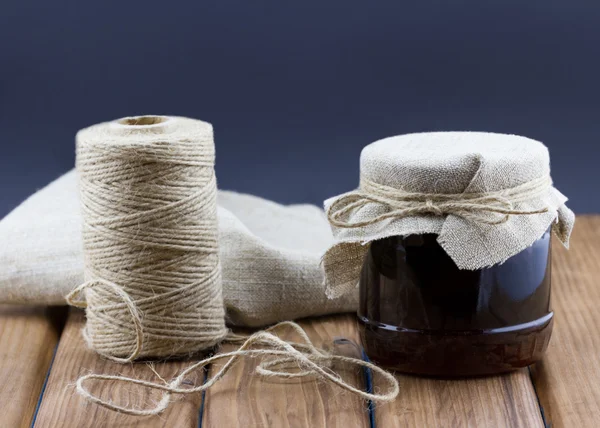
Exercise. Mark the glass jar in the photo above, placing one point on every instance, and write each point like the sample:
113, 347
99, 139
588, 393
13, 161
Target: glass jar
420, 314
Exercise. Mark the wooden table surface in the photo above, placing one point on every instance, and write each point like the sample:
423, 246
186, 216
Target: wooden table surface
42, 354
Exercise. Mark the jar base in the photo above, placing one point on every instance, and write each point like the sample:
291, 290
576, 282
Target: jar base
456, 353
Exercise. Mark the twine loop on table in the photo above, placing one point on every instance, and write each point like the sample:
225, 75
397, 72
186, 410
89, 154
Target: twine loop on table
281, 359
488, 208
74, 299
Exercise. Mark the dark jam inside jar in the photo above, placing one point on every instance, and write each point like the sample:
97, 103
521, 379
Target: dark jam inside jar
420, 314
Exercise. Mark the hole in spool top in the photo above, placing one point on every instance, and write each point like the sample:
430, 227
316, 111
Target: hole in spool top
142, 120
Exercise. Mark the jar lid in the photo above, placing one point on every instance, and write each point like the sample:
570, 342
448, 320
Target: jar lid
454, 162
487, 196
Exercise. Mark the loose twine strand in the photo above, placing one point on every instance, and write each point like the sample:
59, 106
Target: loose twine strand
153, 284
488, 208
280, 359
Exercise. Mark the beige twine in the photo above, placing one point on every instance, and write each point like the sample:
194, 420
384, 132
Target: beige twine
153, 284
488, 208
148, 193
282, 359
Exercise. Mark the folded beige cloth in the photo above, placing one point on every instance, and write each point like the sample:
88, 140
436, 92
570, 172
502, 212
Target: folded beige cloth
270, 255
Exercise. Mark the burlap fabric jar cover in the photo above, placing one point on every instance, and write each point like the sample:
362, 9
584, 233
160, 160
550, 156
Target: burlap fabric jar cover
487, 196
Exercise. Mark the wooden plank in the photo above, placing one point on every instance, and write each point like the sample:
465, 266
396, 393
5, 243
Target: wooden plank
28, 338
63, 407
568, 379
246, 400
499, 401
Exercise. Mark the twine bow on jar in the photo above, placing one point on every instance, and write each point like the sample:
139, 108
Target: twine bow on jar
488, 208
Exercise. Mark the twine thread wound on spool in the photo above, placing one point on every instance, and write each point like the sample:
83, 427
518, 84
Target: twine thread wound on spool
488, 208
148, 197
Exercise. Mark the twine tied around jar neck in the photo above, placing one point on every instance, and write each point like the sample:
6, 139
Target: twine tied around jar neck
488, 208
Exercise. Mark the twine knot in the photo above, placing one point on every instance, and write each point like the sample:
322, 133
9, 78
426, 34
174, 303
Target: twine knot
487, 208
431, 207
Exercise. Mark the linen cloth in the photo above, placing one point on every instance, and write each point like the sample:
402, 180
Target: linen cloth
270, 255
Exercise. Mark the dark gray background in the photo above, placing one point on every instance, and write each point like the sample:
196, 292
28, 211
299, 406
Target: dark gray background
296, 89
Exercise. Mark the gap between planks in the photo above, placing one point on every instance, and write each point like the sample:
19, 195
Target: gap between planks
63, 407
28, 339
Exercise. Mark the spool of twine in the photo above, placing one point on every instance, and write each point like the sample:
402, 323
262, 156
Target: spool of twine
152, 276
153, 285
